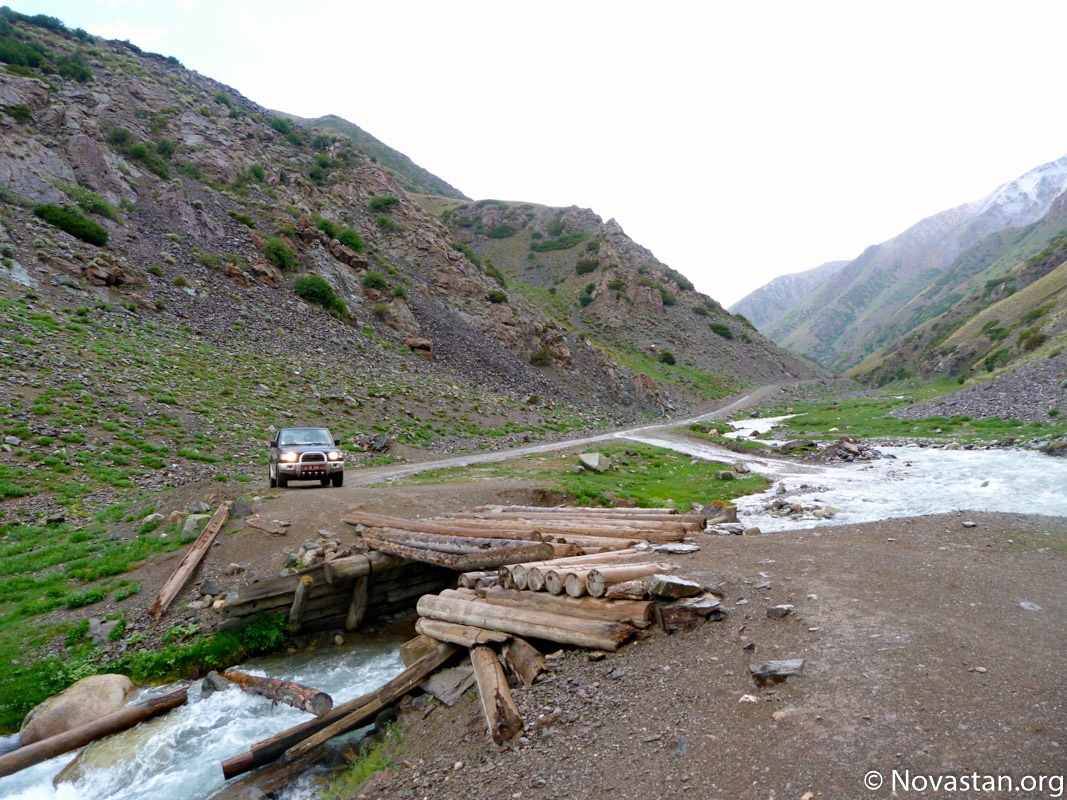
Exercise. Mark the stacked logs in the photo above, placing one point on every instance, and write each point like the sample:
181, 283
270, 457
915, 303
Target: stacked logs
337, 594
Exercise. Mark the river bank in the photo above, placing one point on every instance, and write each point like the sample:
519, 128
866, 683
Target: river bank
930, 646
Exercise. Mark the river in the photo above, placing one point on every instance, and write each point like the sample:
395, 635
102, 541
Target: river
179, 754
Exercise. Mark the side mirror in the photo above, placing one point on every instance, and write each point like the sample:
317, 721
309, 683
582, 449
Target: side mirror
337, 442
273, 442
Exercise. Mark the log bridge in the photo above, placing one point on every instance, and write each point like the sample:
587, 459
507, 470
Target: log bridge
571, 576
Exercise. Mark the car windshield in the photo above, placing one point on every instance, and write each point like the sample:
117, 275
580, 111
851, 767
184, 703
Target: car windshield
310, 436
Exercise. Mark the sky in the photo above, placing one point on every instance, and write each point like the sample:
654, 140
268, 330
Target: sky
737, 141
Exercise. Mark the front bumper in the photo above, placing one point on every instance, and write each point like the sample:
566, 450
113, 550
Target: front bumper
310, 471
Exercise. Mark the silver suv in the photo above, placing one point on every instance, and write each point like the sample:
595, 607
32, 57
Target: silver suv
305, 454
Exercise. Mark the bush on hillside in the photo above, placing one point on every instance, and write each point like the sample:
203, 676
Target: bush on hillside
278, 253
383, 203
376, 281
721, 329
71, 220
315, 289
351, 239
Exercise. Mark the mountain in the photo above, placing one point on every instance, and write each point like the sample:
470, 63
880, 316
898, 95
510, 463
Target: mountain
182, 271
1000, 307
878, 296
410, 176
773, 300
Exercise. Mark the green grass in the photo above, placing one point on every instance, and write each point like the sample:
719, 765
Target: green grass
378, 758
646, 476
870, 418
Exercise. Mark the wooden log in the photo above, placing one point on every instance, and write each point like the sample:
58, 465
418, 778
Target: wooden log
358, 606
524, 660
414, 649
344, 569
464, 635
567, 550
444, 543
121, 720
605, 542
292, 694
518, 572
606, 529
184, 571
471, 580
574, 584
486, 559
279, 586
609, 510
627, 590
651, 522
593, 634
350, 715
632, 612
300, 598
437, 526
501, 713
599, 579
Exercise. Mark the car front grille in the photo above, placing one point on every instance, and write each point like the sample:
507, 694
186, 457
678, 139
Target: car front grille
312, 457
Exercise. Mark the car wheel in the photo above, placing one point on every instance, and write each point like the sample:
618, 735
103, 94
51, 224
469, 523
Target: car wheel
324, 481
273, 480
283, 482
338, 478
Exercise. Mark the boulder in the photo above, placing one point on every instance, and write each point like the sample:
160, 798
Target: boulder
86, 701
597, 462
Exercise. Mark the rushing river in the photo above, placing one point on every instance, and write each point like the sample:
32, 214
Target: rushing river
178, 755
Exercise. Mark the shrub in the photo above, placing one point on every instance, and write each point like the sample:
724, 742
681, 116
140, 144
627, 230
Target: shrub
1032, 340
700, 311
327, 226
496, 275
258, 172
667, 357
376, 281
349, 238
501, 231
497, 296
401, 292
584, 299
19, 113
385, 222
383, 203
165, 148
721, 329
584, 266
282, 126
278, 253
564, 242
315, 289
668, 298
617, 285
541, 358
118, 137
244, 219
71, 220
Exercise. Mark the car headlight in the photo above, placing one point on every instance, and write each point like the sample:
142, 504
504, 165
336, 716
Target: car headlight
334, 455
288, 458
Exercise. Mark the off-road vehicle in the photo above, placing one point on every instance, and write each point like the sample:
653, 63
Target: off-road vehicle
305, 454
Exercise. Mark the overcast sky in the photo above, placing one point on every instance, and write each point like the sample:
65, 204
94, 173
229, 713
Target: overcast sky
736, 140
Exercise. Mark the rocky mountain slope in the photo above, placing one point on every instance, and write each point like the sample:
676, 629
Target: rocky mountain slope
775, 299
183, 270
875, 298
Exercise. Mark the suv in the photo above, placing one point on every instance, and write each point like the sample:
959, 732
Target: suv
305, 454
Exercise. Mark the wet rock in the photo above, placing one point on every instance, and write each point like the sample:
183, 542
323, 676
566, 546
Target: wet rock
86, 701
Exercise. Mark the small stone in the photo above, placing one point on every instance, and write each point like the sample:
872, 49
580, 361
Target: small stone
1028, 606
979, 670
970, 524
779, 611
